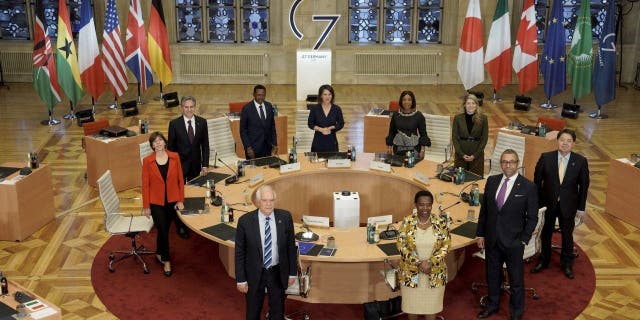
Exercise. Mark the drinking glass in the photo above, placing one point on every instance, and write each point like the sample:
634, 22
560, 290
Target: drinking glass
247, 197
634, 158
22, 311
471, 215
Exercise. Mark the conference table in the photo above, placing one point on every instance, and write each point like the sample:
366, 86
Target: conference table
623, 183
353, 275
36, 309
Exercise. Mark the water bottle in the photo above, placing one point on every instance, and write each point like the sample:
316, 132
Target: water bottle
349, 153
474, 195
291, 158
223, 212
460, 176
4, 284
240, 168
370, 233
353, 153
542, 131
295, 154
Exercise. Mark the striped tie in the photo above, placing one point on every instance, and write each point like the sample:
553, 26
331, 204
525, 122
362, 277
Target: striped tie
267, 244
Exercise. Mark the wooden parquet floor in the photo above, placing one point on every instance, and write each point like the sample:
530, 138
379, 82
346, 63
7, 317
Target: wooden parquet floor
55, 262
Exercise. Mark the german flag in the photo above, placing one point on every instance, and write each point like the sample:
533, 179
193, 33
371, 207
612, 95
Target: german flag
159, 44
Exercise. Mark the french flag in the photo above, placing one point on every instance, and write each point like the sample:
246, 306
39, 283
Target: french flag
89, 60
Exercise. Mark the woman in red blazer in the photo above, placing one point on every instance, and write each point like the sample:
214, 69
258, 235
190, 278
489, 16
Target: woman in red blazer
162, 193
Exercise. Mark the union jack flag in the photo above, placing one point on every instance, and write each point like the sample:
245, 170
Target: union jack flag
137, 53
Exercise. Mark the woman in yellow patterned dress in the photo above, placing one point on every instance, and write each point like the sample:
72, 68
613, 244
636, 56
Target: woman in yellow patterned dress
423, 242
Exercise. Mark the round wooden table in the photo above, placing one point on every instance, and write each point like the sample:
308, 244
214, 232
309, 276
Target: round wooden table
353, 275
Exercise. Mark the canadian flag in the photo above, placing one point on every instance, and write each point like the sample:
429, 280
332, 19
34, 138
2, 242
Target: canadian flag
525, 54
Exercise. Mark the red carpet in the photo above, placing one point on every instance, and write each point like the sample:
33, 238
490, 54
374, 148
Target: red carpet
200, 288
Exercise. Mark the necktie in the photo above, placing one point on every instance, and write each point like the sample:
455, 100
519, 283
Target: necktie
502, 193
190, 133
561, 169
267, 244
262, 116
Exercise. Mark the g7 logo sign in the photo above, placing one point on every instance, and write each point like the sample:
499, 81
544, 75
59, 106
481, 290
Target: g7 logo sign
332, 18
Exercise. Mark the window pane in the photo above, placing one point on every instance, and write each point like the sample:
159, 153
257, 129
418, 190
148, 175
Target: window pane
571, 11
397, 22
74, 15
222, 21
363, 21
429, 17
189, 20
51, 17
249, 3
256, 24
541, 18
13, 20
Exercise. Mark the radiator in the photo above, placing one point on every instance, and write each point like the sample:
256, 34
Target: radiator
216, 65
398, 64
17, 66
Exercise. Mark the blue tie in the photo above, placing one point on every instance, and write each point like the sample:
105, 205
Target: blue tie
267, 244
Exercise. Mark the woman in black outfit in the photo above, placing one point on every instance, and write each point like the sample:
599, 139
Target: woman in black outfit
325, 119
469, 134
408, 129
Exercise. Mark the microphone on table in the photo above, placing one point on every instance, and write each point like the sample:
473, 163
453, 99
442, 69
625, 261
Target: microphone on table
443, 211
232, 179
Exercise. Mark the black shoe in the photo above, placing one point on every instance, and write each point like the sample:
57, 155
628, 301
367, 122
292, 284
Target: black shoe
568, 272
167, 273
183, 233
486, 313
539, 267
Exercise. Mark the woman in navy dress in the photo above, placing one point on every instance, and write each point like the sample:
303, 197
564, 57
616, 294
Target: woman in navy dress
325, 119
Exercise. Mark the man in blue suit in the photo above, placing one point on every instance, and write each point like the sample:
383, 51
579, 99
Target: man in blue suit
266, 256
562, 178
258, 126
508, 216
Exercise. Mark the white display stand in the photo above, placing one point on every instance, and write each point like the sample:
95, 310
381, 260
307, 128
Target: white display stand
313, 70
346, 210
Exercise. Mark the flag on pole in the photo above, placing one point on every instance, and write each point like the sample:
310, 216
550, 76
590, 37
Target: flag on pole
525, 53
137, 54
113, 52
470, 67
498, 56
604, 71
159, 54
581, 53
67, 56
45, 78
89, 53
553, 63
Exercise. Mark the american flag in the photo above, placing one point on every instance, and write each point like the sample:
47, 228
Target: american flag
137, 52
112, 51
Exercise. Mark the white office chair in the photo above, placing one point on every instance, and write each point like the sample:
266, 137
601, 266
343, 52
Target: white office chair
221, 141
117, 223
304, 135
505, 141
531, 249
145, 150
439, 131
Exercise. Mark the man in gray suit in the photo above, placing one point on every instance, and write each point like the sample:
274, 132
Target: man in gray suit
266, 255
508, 216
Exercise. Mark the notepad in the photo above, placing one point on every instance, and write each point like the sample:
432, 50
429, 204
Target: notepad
193, 205
467, 229
308, 248
390, 249
201, 181
222, 231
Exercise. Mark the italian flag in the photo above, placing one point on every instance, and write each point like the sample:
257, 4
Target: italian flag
497, 59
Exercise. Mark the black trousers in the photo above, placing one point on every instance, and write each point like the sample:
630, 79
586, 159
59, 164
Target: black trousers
269, 279
495, 257
567, 224
162, 217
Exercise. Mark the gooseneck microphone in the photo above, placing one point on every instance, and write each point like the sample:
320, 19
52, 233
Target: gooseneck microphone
442, 211
232, 179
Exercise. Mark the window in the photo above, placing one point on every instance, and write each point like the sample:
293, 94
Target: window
571, 9
405, 21
221, 18
14, 24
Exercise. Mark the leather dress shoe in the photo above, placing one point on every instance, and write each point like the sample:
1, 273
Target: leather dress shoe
183, 233
539, 267
568, 272
486, 313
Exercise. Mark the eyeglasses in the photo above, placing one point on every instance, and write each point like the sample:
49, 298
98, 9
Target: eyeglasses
510, 162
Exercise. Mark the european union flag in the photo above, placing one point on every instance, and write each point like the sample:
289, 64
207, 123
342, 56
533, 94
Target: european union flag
553, 62
604, 69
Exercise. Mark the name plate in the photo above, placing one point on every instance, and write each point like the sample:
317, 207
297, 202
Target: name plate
380, 166
339, 163
422, 178
258, 178
291, 167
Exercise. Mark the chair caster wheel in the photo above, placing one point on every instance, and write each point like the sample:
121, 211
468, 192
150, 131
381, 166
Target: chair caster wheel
111, 269
146, 271
112, 257
536, 297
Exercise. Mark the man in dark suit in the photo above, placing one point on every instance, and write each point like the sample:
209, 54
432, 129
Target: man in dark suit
508, 216
265, 255
258, 126
562, 178
189, 137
